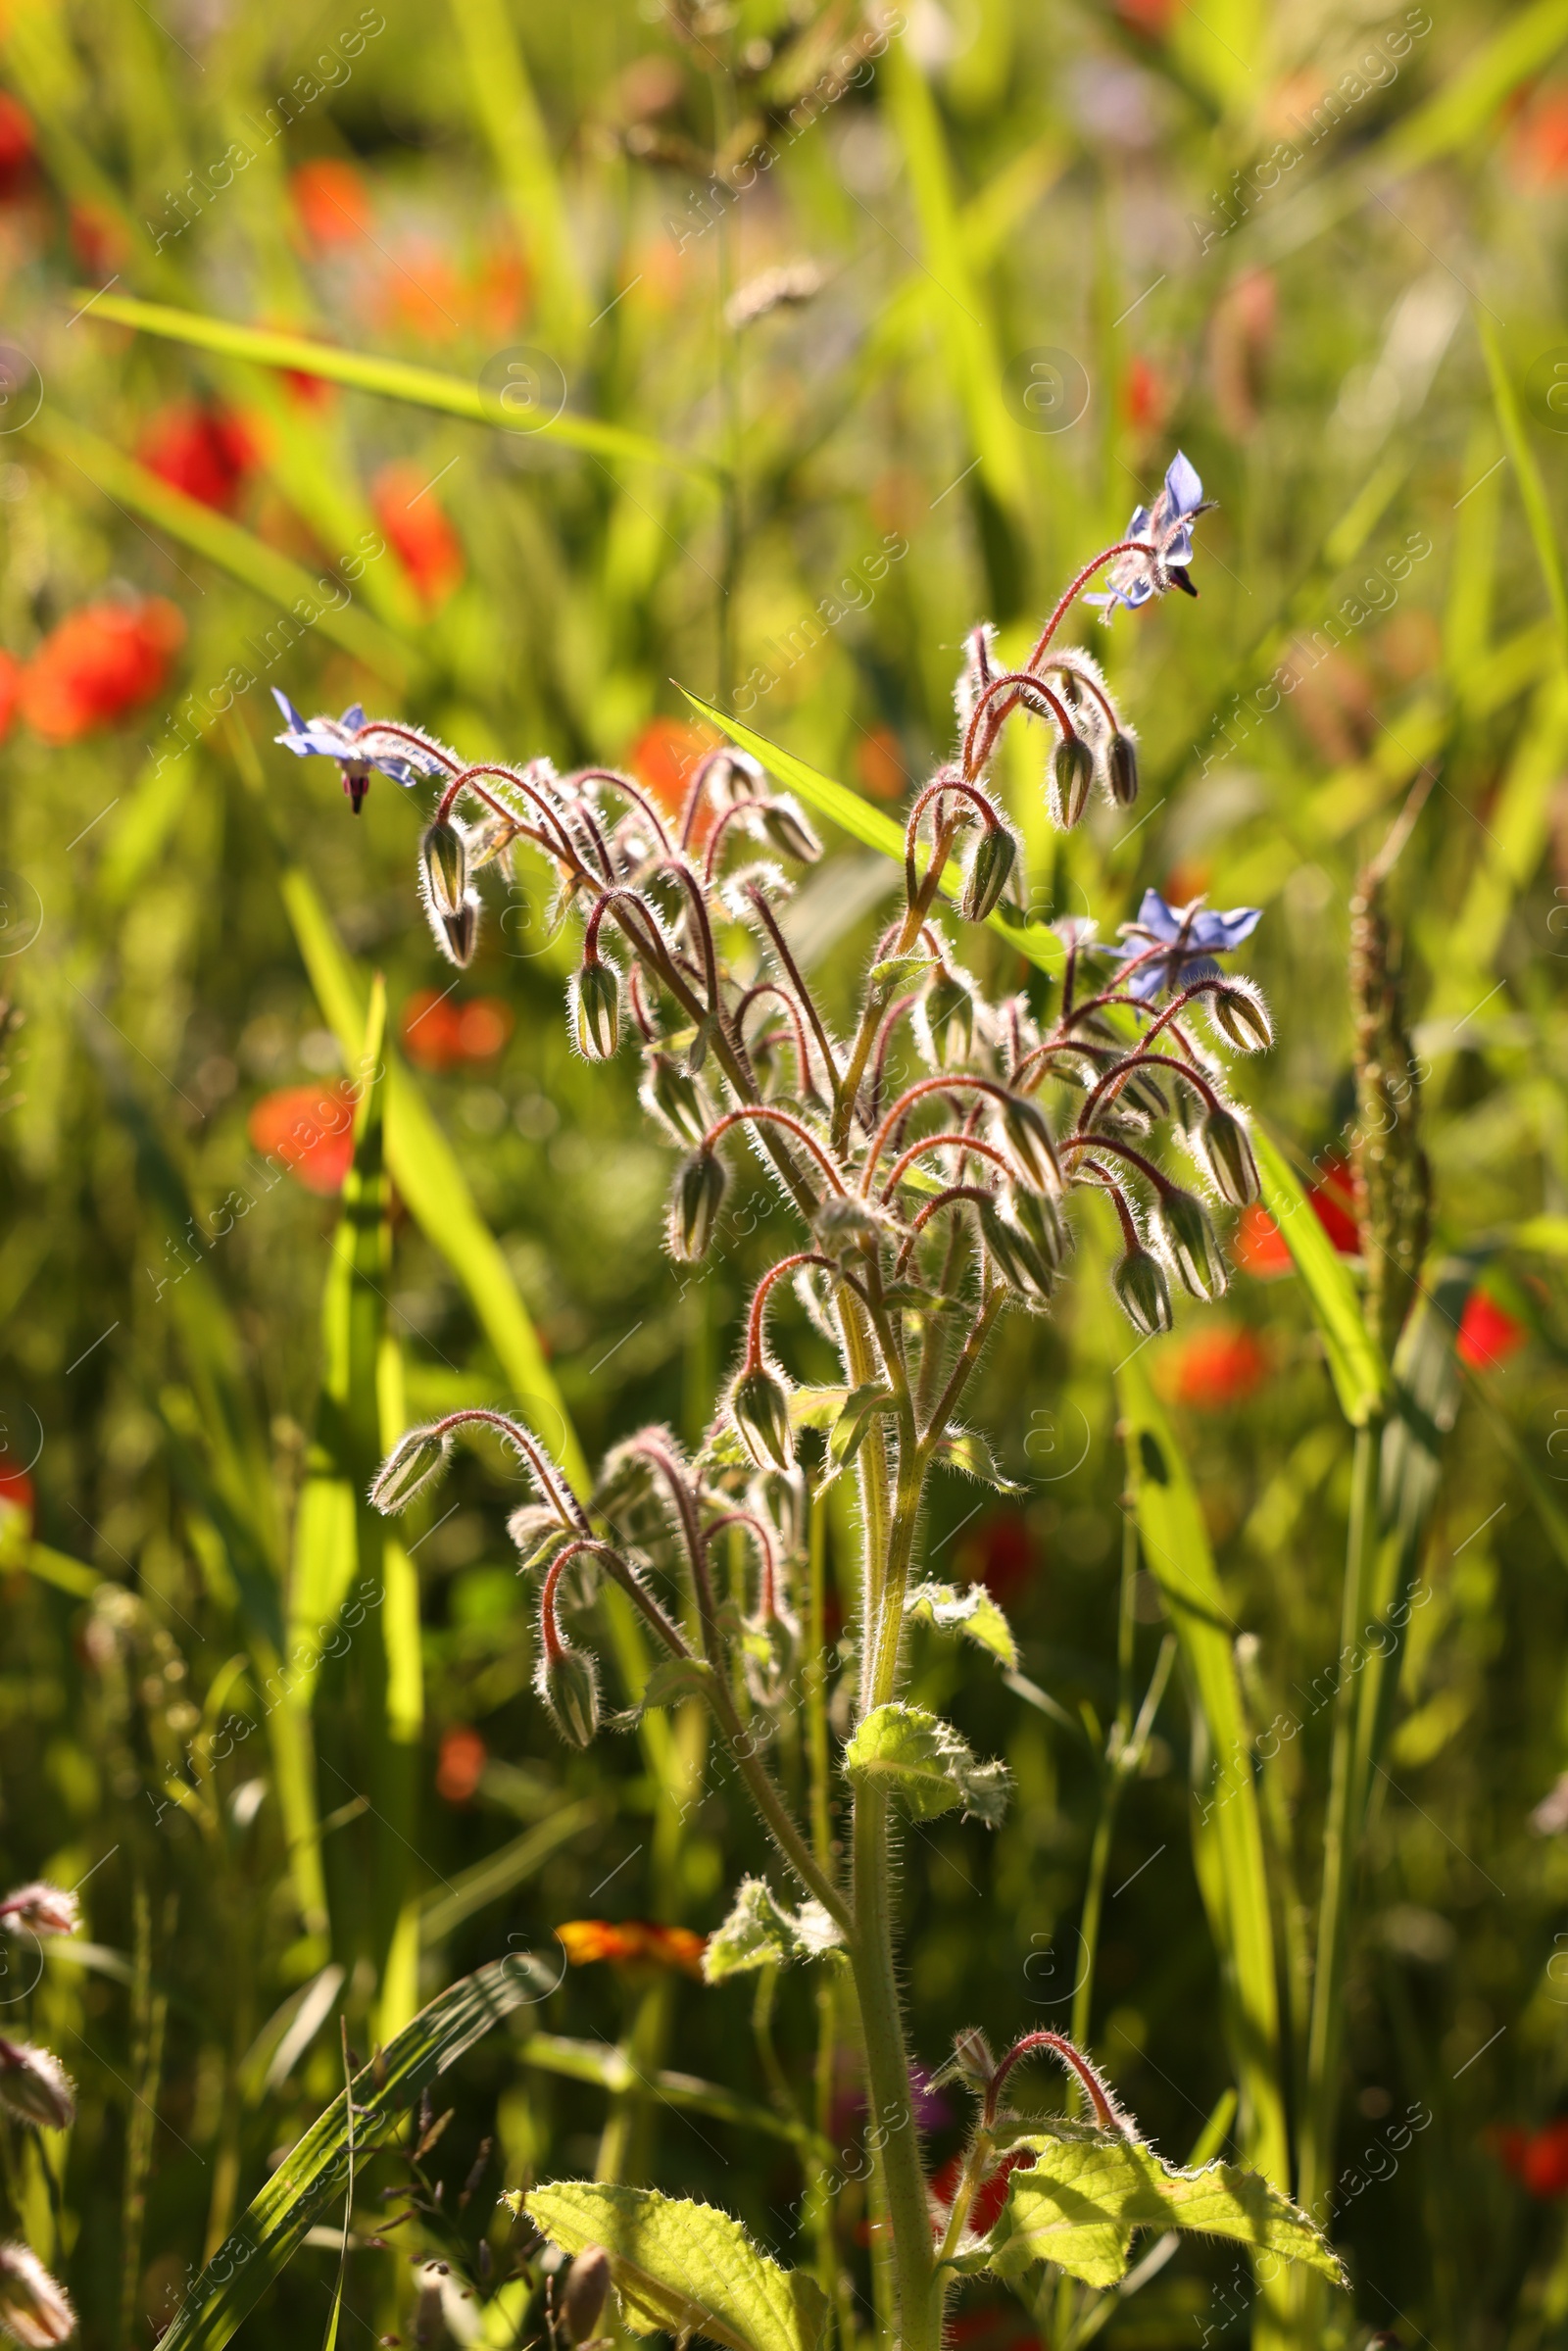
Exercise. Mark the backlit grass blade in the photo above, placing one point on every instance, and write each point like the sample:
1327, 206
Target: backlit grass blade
1356, 1363
507, 113
218, 540
1527, 473
392, 379
316, 2170
611, 2068
852, 815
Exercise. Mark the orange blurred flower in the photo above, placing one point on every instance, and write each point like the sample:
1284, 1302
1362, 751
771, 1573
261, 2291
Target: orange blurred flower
1259, 1248
18, 145
1538, 2158
1488, 1333
662, 757
879, 764
10, 691
427, 546
16, 1505
310, 1129
331, 202
630, 1940
1214, 1368
1146, 396
461, 1763
1153, 19
438, 1032
98, 237
1538, 147
206, 452
101, 661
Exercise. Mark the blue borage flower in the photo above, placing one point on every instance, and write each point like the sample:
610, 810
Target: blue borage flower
1135, 576
338, 739
1195, 934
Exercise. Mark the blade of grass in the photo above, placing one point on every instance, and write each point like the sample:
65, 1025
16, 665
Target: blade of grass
1355, 1364
276, 2224
392, 379
1527, 473
611, 2068
507, 113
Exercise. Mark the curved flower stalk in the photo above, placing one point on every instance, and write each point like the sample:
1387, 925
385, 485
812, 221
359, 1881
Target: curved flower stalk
926, 1201
36, 2093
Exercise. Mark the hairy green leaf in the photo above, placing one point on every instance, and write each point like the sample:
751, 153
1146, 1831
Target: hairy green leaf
761, 1933
973, 1613
683, 2266
964, 1449
926, 1762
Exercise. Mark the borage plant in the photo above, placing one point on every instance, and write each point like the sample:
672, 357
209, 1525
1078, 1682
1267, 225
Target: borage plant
925, 1210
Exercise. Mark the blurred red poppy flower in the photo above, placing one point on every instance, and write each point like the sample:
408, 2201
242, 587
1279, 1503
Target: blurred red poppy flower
98, 237
1218, 1367
1539, 148
331, 202
1536, 2158
10, 691
427, 546
461, 1763
1151, 18
206, 452
1258, 1246
439, 1034
1488, 1333
990, 2196
662, 757
1000, 1553
310, 1129
18, 145
632, 1939
879, 766
17, 1503
1146, 395
102, 661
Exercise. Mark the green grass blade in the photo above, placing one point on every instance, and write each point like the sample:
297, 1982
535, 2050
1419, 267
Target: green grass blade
1527, 473
507, 113
611, 2068
867, 826
275, 2226
218, 541
1356, 1363
1228, 1831
392, 379
475, 1888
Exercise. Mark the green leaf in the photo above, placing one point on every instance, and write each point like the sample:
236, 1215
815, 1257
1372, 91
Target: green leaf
854, 1423
273, 2229
761, 1933
926, 1762
674, 1679
1227, 1832
685, 2267
963, 1449
1356, 1362
1527, 473
393, 379
1090, 2189
973, 1613
852, 816
609, 2068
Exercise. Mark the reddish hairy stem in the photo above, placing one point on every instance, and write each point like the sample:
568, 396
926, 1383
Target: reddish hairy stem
407, 734
629, 791
1143, 1060
550, 1476
759, 1308
931, 1142
783, 1118
1071, 591
764, 1547
1016, 682
948, 1083
1107, 2112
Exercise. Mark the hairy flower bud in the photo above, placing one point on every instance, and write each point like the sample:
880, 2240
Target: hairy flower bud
991, 864
444, 859
1227, 1154
41, 1909
35, 2308
759, 1407
568, 1682
973, 2058
582, 2297
1014, 1255
1072, 772
1041, 1217
456, 935
1028, 1139
673, 1093
735, 775
1240, 1014
1121, 767
694, 1205
596, 1010
786, 827
948, 1011
1190, 1243
1144, 1291
34, 2086
415, 1462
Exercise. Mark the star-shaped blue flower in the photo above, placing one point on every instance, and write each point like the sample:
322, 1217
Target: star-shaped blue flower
1193, 934
1168, 526
338, 739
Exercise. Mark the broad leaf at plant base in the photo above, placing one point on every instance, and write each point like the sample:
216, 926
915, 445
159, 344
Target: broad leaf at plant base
684, 2268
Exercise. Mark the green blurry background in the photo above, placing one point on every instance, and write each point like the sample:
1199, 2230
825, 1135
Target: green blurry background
769, 348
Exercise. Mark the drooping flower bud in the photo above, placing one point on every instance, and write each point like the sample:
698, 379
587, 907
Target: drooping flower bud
1072, 772
735, 775
973, 2058
456, 935
582, 2297
991, 864
1144, 1291
1014, 1255
35, 2308
1040, 1215
34, 2086
1227, 1154
784, 1499
1028, 1139
41, 1909
1190, 1243
415, 1462
759, 1407
694, 1205
786, 827
567, 1681
673, 1093
1240, 1014
444, 860
1121, 767
948, 1018
596, 1010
